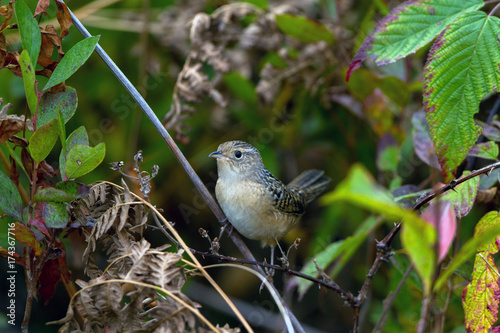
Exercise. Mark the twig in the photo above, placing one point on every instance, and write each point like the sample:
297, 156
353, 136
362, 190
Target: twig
388, 303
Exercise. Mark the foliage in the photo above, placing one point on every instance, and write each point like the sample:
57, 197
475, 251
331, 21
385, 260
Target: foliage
408, 223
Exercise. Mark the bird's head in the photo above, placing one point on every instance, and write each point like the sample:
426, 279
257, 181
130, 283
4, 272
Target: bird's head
237, 158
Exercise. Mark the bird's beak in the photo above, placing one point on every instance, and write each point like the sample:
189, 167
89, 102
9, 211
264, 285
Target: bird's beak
216, 154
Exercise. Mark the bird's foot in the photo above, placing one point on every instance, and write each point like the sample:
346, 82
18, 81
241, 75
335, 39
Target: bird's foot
269, 276
225, 226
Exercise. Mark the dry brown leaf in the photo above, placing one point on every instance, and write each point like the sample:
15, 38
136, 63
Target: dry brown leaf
63, 17
41, 6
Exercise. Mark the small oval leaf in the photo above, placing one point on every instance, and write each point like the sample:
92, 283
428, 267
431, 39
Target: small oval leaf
43, 140
83, 159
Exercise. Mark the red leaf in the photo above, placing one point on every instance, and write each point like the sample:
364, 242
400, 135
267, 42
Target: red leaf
442, 217
49, 278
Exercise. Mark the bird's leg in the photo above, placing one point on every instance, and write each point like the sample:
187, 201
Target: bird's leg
225, 225
269, 271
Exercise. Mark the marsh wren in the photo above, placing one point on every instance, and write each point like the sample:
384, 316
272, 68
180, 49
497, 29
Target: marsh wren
257, 203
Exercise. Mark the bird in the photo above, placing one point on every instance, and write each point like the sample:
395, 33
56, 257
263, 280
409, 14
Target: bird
256, 203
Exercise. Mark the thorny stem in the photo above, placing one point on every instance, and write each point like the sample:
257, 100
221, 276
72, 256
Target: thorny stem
178, 155
384, 245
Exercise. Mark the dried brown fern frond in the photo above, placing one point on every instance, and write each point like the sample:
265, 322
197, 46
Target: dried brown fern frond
113, 305
116, 217
140, 290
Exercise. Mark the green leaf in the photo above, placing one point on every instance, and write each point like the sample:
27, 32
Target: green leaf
360, 188
483, 237
31, 38
419, 237
43, 140
241, 87
262, 4
72, 60
409, 27
78, 137
55, 215
484, 226
463, 196
51, 194
29, 81
75, 189
461, 69
67, 101
480, 301
487, 150
304, 29
10, 199
83, 159
387, 159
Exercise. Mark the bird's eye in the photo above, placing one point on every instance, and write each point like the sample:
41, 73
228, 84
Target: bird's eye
237, 154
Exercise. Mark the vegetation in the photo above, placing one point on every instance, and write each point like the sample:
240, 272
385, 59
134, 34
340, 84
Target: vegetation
397, 102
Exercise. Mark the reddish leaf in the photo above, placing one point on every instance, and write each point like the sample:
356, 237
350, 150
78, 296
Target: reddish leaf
9, 127
49, 278
40, 225
424, 148
13, 174
63, 17
442, 217
41, 6
25, 235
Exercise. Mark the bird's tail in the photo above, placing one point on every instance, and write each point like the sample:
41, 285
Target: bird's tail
311, 183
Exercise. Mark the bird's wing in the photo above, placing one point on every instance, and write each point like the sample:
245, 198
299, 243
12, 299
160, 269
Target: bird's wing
285, 199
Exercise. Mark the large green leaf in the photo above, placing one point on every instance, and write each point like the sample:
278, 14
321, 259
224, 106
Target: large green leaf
72, 60
461, 69
10, 199
31, 38
29, 81
408, 27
